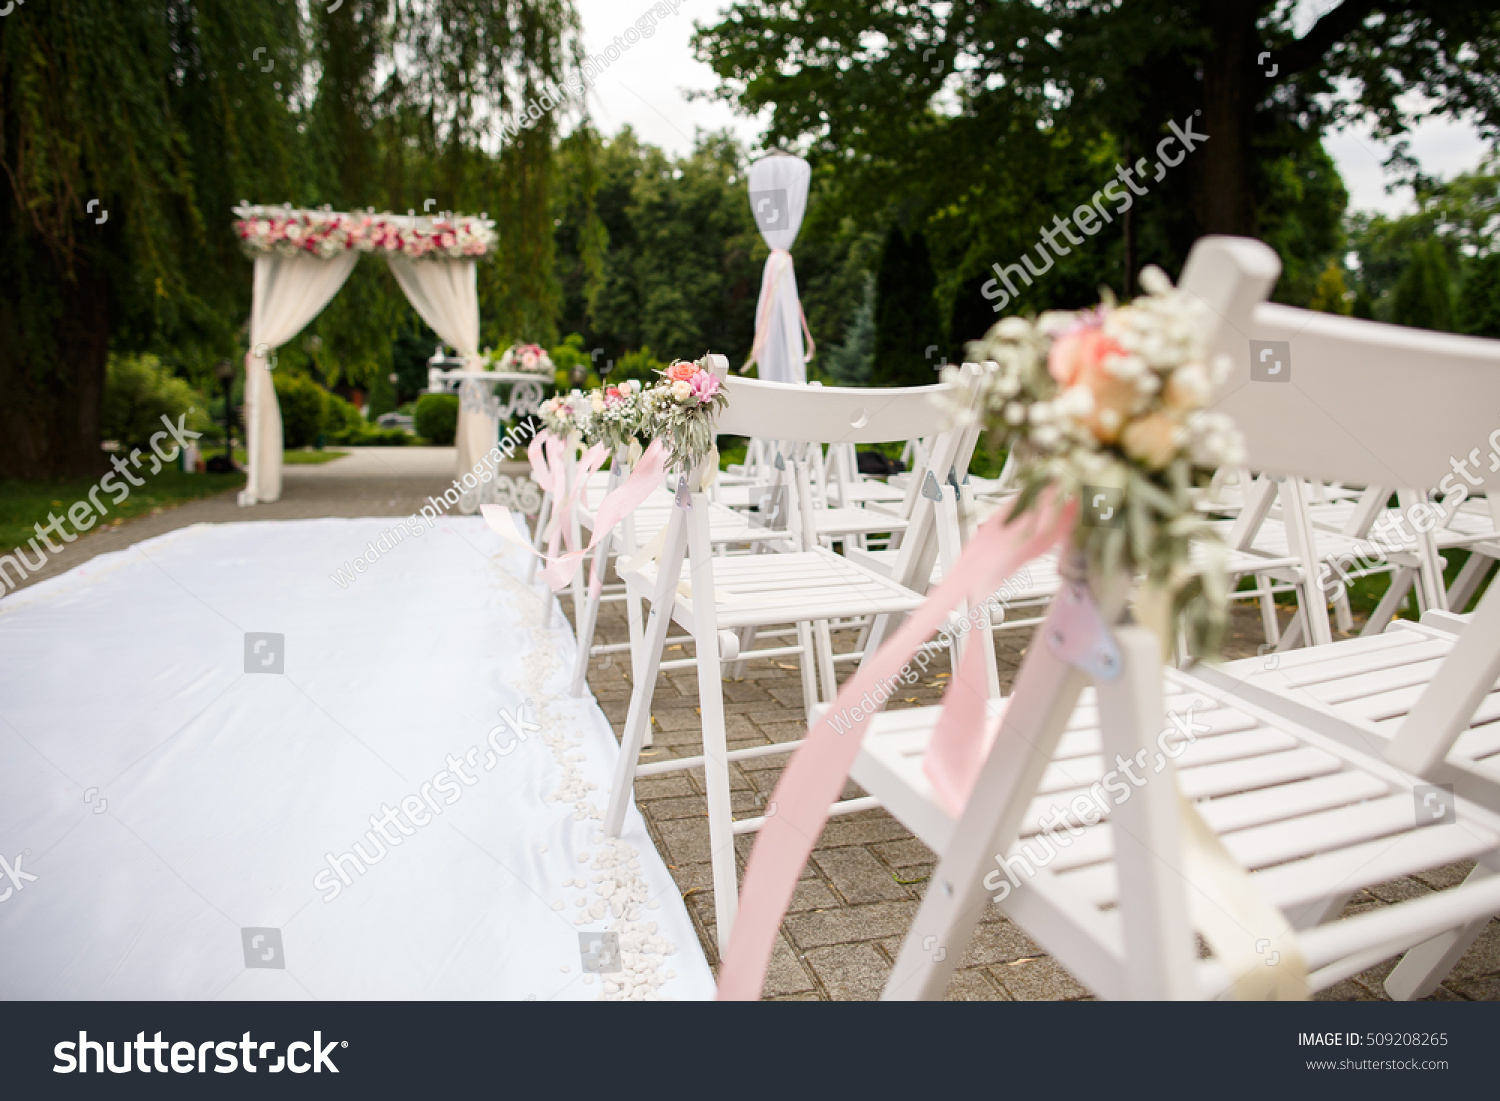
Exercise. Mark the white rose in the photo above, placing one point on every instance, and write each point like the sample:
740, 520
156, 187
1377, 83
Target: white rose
682, 391
1188, 388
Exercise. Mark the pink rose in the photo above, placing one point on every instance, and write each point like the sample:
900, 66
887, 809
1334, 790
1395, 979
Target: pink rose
1078, 359
529, 360
705, 385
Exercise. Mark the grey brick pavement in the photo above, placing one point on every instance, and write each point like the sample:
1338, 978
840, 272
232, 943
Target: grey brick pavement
859, 893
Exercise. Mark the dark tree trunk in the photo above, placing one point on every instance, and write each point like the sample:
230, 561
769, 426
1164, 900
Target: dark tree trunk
52, 390
1232, 81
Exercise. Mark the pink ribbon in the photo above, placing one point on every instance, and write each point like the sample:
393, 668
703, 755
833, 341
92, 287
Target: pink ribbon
617, 504
767, 299
815, 775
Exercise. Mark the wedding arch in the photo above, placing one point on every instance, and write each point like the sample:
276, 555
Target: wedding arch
302, 258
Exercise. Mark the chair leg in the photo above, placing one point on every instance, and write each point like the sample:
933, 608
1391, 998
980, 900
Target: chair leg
643, 677
1467, 583
1343, 618
1269, 621
1425, 966
1390, 603
805, 662
737, 669
823, 647
588, 618
634, 619
538, 541
579, 589
715, 736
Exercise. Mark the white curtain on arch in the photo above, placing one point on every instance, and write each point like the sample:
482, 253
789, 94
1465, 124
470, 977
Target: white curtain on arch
289, 292
446, 294
778, 199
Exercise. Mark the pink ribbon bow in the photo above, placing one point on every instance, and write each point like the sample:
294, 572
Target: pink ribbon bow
617, 504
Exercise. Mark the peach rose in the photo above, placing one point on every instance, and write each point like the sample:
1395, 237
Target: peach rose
682, 372
1077, 359
1152, 440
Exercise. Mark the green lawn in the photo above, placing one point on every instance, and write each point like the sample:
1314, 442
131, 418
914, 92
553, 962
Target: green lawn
295, 458
23, 504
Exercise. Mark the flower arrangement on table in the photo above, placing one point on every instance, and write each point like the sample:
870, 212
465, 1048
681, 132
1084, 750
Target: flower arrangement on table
564, 414
526, 359
681, 408
1109, 405
327, 233
616, 415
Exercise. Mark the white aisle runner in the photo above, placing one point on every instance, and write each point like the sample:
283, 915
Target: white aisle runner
180, 814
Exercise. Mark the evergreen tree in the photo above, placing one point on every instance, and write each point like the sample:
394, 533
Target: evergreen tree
1479, 301
971, 317
1331, 295
1424, 295
850, 363
908, 335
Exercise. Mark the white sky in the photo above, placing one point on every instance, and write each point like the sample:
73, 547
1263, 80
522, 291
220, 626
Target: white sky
646, 88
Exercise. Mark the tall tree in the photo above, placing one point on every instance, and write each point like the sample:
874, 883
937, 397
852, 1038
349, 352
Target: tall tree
908, 335
1478, 312
867, 84
127, 131
1424, 296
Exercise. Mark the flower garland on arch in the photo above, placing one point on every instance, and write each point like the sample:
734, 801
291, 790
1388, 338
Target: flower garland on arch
326, 233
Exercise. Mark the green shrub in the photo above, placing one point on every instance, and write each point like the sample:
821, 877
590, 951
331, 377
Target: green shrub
436, 418
138, 392
340, 416
301, 401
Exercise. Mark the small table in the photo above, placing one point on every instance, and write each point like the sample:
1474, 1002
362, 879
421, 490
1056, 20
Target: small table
479, 392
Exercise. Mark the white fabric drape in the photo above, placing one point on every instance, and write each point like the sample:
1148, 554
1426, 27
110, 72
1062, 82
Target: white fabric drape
446, 294
778, 199
289, 292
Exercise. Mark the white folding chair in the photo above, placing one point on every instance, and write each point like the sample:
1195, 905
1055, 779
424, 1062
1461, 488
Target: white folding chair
1312, 818
714, 598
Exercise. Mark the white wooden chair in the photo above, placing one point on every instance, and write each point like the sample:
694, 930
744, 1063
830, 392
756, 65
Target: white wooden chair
727, 529
715, 598
1117, 901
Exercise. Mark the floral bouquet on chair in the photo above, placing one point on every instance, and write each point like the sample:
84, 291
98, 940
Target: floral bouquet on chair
616, 415
564, 414
1108, 405
525, 359
681, 408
